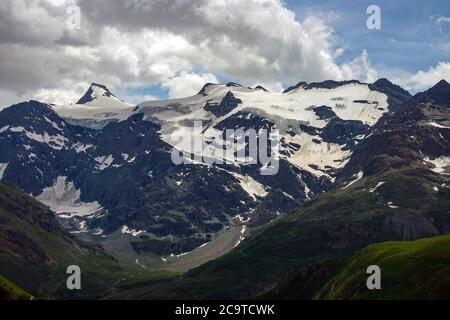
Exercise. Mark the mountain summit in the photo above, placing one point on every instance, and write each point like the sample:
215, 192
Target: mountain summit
94, 92
96, 108
438, 94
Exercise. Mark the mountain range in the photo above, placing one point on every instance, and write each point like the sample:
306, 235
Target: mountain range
95, 183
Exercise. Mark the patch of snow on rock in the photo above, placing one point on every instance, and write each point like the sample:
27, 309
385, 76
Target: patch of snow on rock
437, 125
441, 164
392, 206
133, 232
3, 167
358, 177
252, 187
379, 184
104, 162
79, 147
64, 199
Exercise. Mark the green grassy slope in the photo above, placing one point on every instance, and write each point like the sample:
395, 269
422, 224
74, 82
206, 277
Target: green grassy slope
10, 291
409, 270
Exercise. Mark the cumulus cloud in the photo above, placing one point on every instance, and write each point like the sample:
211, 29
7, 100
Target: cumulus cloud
160, 42
442, 22
62, 95
250, 41
138, 43
361, 68
364, 70
443, 19
187, 84
425, 79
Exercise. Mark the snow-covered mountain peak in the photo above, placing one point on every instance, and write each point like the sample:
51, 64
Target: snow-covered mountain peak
206, 88
261, 88
96, 108
95, 92
301, 84
234, 84
212, 89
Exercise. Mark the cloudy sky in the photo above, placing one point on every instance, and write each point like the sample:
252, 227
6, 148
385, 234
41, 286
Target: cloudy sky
152, 49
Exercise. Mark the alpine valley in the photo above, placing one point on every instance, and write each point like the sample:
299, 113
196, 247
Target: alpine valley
363, 179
